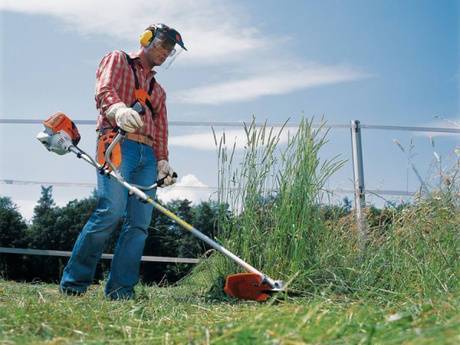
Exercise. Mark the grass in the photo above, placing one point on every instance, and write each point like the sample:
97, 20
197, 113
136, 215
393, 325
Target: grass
277, 192
403, 288
275, 189
38, 314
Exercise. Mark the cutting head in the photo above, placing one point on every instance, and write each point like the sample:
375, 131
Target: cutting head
250, 286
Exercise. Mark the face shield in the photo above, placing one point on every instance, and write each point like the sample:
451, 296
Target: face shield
169, 40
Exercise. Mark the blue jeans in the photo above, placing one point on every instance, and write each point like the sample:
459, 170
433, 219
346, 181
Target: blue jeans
139, 167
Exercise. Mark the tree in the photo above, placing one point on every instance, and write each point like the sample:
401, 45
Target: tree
43, 220
54, 228
12, 225
57, 228
166, 238
12, 231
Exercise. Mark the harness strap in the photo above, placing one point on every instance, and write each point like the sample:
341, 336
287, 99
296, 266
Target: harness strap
139, 90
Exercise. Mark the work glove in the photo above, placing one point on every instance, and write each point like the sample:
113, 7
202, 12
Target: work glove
126, 118
165, 171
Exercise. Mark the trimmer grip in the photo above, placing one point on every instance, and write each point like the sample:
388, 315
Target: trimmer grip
137, 106
162, 180
117, 129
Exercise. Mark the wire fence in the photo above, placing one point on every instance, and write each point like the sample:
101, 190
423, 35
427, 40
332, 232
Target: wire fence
259, 124
239, 125
199, 188
359, 191
48, 252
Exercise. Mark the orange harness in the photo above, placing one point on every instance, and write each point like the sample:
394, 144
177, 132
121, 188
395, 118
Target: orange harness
142, 96
103, 142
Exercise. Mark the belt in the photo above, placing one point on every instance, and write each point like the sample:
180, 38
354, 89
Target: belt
140, 138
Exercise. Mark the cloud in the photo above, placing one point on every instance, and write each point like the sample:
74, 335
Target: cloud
219, 34
26, 207
188, 187
205, 140
441, 122
207, 26
274, 82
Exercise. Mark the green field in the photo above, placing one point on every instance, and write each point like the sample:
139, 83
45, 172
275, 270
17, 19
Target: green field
38, 314
399, 284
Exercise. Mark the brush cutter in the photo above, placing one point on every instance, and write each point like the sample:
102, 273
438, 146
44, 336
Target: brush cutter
61, 136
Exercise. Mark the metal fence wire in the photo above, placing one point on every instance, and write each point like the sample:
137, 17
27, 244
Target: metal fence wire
355, 127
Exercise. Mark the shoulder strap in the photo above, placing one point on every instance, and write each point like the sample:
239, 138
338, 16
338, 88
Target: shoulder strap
136, 81
152, 84
131, 64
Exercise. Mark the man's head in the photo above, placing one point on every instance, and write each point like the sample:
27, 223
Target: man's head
160, 43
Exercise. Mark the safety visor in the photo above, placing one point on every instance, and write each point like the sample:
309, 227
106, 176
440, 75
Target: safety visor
170, 40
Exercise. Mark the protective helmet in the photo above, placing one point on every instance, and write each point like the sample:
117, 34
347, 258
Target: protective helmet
161, 34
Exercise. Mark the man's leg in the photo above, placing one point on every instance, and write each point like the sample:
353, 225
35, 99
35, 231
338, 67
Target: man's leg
124, 273
111, 206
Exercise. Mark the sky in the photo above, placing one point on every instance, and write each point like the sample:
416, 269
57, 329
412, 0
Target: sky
381, 62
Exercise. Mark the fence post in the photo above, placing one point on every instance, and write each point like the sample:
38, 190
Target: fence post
358, 179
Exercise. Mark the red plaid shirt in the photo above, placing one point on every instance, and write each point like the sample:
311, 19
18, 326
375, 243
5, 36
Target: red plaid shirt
115, 83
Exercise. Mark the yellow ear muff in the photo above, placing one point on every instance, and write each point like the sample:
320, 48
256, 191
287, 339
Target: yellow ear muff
146, 38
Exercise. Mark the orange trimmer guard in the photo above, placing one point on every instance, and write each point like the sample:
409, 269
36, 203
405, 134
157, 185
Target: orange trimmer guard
249, 286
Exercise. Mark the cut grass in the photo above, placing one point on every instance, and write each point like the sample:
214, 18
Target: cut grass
38, 314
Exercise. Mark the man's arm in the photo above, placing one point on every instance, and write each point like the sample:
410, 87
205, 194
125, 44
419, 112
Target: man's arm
165, 171
108, 79
110, 105
160, 141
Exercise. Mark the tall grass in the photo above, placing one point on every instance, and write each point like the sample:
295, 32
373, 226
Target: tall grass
417, 254
275, 192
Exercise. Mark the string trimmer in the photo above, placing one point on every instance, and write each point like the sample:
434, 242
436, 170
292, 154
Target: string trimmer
61, 136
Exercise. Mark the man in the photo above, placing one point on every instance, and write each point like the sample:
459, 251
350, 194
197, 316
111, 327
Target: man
124, 82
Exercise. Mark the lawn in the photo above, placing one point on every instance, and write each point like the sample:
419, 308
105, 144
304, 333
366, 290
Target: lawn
38, 314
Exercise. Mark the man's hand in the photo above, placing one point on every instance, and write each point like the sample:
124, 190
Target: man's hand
165, 171
126, 118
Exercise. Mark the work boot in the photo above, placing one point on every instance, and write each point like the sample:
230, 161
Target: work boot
70, 292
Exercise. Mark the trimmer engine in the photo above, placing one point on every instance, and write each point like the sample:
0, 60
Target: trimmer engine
60, 134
